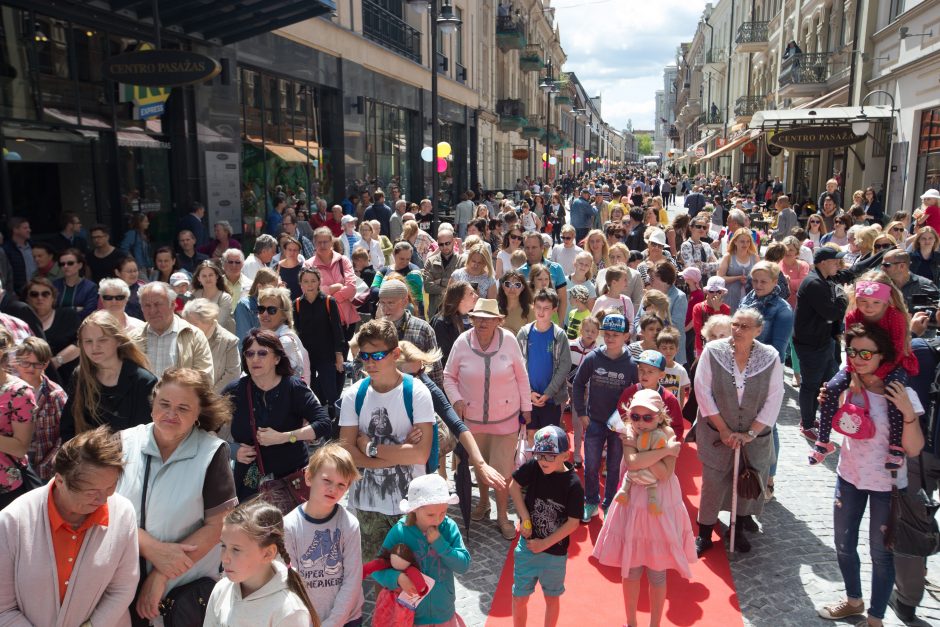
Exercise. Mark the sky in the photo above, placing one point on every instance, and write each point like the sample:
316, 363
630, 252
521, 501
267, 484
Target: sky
618, 49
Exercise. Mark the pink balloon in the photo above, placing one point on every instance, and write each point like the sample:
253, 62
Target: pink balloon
441, 164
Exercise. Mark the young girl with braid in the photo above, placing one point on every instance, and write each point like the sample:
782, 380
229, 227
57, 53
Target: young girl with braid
877, 301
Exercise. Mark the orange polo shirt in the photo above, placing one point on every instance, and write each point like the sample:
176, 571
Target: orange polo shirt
67, 542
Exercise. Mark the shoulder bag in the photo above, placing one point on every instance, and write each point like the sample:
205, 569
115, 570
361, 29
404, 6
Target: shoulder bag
853, 421
286, 492
912, 525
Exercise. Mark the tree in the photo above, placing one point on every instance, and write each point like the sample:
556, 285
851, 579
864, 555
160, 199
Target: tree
644, 145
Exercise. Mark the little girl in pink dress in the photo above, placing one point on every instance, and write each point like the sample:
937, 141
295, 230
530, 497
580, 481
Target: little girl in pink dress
634, 537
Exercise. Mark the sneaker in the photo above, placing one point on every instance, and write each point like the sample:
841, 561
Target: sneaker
480, 512
842, 609
809, 434
590, 511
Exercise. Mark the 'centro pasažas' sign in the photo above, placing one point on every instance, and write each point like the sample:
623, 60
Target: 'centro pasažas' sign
161, 68
816, 137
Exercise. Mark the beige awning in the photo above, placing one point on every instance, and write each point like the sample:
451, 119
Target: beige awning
735, 143
287, 154
785, 118
701, 142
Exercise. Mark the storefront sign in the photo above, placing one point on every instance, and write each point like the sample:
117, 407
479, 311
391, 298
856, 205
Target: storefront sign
222, 188
720, 142
771, 149
520, 154
700, 152
816, 137
158, 68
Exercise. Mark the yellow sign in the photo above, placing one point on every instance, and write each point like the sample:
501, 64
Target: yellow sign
149, 102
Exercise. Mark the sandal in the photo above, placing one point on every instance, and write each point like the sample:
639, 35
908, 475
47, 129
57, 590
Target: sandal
507, 528
480, 512
820, 451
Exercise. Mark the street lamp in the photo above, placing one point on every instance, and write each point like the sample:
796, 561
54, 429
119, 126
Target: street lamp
443, 19
549, 86
860, 127
579, 116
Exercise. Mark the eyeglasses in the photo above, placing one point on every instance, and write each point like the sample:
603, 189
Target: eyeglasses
260, 353
68, 263
270, 310
110, 297
815, 222
884, 246
509, 285
567, 238
741, 326
234, 262
32, 365
888, 264
45, 294
864, 355
376, 356
545, 457
643, 417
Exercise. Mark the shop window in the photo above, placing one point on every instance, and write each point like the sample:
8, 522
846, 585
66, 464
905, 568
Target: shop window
928, 152
387, 138
17, 99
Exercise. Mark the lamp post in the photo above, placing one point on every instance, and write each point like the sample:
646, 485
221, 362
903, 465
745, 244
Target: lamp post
547, 84
443, 18
578, 115
861, 126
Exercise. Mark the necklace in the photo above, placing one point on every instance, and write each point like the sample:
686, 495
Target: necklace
734, 370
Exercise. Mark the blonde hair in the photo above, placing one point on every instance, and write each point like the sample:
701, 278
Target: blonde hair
866, 237
767, 266
604, 249
879, 276
282, 296
657, 303
408, 230
622, 249
484, 251
738, 234
333, 453
410, 352
926, 230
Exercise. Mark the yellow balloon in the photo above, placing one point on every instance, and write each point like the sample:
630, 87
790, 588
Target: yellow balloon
544, 156
443, 149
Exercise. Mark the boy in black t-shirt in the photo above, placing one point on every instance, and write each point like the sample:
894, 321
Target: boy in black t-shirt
549, 513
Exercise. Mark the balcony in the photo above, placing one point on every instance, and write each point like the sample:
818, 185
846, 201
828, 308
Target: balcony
390, 31
711, 120
510, 33
511, 114
530, 59
751, 37
715, 56
804, 75
534, 127
563, 100
460, 73
746, 106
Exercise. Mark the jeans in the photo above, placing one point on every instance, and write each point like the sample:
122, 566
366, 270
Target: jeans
817, 365
848, 509
596, 435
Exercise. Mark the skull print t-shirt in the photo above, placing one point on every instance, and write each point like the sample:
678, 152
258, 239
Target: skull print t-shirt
551, 500
384, 419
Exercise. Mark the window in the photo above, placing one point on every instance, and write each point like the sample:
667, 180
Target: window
458, 39
895, 8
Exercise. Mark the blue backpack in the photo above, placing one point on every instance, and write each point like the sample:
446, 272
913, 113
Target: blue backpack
408, 393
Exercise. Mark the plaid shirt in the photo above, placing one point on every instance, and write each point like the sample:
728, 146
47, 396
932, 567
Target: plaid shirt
418, 332
17, 328
50, 400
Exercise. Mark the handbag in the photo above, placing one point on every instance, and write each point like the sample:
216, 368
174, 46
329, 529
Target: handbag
912, 529
287, 492
749, 483
521, 443
853, 421
30, 480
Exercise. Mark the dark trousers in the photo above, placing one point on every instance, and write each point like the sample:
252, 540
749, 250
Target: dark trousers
817, 366
910, 572
580, 234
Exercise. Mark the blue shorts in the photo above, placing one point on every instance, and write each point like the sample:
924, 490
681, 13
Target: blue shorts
529, 568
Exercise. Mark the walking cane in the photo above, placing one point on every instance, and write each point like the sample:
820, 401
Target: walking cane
734, 495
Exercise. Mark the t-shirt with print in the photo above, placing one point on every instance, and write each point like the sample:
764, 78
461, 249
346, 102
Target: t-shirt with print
384, 419
675, 379
551, 500
327, 553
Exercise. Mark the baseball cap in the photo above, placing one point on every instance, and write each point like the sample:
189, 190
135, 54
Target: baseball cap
652, 358
825, 253
614, 322
347, 219
579, 293
179, 278
649, 399
550, 439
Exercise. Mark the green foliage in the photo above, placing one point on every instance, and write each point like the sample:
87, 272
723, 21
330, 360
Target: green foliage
644, 145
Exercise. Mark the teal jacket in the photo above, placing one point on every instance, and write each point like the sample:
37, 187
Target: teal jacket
439, 561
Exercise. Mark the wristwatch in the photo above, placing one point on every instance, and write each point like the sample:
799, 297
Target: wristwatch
751, 433
293, 438
372, 450
526, 524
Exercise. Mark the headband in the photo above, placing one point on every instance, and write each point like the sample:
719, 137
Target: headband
873, 289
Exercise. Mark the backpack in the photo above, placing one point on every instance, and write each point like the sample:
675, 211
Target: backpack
408, 394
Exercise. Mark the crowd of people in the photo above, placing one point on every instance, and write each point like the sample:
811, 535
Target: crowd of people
286, 419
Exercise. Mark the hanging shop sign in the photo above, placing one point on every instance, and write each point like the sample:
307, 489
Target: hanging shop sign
720, 142
816, 137
749, 149
772, 150
700, 151
161, 68
520, 154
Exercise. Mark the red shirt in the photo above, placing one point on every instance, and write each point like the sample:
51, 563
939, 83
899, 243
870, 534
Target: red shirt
700, 315
672, 406
932, 217
67, 541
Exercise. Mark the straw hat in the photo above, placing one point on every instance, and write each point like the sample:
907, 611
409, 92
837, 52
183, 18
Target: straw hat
486, 308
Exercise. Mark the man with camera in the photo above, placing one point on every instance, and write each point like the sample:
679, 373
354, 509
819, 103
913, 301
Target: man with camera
920, 295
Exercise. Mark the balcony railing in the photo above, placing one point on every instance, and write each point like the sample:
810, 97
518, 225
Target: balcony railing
707, 119
510, 33
805, 68
715, 56
752, 33
390, 31
530, 59
511, 114
746, 106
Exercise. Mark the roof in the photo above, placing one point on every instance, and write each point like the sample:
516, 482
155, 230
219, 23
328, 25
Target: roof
784, 118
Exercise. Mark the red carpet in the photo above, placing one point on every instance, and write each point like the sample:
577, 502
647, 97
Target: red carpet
595, 592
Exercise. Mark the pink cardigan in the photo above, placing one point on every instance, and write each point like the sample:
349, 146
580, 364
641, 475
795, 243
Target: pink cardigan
504, 388
339, 270
104, 579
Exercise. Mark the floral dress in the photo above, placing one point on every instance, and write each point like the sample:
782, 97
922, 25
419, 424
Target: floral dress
17, 404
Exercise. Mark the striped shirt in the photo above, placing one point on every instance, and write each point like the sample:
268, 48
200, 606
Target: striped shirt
161, 347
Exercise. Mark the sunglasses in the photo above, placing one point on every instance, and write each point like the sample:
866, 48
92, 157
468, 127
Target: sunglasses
233, 262
643, 417
512, 285
447, 243
270, 310
110, 297
261, 353
68, 263
516, 237
701, 227
46, 294
567, 238
545, 457
864, 355
376, 356
815, 222
883, 246
888, 264
899, 229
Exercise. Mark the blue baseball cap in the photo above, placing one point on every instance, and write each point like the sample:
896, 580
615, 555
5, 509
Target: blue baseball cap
652, 358
550, 439
614, 322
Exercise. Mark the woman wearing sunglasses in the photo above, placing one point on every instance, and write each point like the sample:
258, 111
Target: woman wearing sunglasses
515, 301
113, 383
275, 313
73, 289
275, 414
512, 241
815, 229
113, 295
59, 326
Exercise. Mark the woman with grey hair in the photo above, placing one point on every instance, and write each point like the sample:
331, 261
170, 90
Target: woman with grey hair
223, 240
226, 363
739, 388
261, 256
113, 295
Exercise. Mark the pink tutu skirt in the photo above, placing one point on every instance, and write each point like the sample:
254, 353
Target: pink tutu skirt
632, 536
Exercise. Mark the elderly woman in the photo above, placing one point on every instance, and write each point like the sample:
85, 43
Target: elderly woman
73, 290
246, 311
338, 277
275, 413
32, 359
178, 459
209, 283
59, 326
276, 313
226, 363
739, 388
487, 383
128, 271
17, 408
94, 585
221, 241
112, 383
113, 295
862, 481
